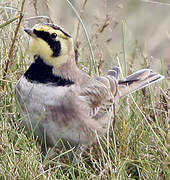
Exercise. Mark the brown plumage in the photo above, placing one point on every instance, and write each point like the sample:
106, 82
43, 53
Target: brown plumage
58, 101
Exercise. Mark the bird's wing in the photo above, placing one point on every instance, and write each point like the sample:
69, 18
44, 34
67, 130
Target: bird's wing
100, 92
138, 80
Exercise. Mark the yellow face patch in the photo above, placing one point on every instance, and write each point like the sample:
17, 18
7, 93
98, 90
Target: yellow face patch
40, 47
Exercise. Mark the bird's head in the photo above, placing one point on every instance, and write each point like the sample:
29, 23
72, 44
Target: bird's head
51, 43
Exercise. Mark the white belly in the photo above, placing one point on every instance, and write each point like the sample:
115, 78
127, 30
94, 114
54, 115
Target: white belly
53, 112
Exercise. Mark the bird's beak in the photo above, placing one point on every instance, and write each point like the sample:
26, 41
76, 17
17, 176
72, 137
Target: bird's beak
30, 32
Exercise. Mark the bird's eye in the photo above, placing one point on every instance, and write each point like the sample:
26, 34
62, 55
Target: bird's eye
53, 35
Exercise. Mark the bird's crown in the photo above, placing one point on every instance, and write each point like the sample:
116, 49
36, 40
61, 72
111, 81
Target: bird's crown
51, 28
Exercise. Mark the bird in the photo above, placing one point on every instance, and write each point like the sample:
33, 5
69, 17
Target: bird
58, 101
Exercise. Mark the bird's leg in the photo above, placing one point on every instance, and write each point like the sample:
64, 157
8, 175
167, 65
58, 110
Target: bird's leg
77, 154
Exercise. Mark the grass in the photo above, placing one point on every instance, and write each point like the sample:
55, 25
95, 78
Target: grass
136, 146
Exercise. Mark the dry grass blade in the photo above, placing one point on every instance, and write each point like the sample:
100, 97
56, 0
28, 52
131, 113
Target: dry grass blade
77, 33
156, 2
88, 39
38, 17
8, 22
12, 45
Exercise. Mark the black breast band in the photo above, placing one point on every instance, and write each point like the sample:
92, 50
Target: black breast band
40, 72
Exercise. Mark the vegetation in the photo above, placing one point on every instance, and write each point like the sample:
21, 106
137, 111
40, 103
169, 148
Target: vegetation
135, 147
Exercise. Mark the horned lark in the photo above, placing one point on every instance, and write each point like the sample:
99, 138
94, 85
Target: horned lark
59, 101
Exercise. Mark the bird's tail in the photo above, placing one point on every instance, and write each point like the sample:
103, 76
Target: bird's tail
137, 80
